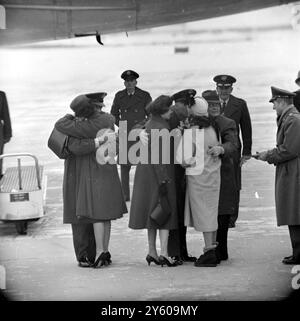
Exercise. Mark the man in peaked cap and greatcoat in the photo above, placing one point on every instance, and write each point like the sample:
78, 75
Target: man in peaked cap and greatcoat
236, 109
177, 247
286, 157
129, 105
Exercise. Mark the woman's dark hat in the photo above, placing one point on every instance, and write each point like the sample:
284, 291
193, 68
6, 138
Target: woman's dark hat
80, 102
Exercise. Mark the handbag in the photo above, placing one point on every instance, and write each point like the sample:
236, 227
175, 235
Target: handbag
161, 212
58, 143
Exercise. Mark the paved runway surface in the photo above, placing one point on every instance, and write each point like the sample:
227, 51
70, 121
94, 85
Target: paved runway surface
41, 265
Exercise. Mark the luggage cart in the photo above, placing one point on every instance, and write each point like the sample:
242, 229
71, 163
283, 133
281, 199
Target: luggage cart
22, 193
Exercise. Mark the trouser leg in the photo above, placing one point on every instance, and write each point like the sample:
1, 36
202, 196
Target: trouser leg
294, 231
222, 233
125, 169
1, 161
84, 241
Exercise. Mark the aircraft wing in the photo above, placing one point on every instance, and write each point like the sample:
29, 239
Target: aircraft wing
25, 21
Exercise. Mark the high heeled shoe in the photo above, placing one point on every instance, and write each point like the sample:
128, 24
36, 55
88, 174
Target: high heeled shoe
100, 261
107, 258
165, 261
150, 259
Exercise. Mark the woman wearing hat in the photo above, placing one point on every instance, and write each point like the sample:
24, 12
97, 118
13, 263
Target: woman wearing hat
88, 185
153, 205
203, 179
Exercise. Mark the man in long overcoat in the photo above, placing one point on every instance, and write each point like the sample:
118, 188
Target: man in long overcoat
228, 195
130, 105
236, 109
286, 157
5, 125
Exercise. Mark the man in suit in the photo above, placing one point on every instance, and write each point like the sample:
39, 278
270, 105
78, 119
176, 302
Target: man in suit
236, 109
5, 125
286, 157
129, 105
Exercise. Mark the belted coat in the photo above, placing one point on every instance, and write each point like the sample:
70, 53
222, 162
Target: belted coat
286, 158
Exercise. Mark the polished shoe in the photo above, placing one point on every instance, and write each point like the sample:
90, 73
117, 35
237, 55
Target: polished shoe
150, 259
208, 259
288, 257
177, 259
222, 255
188, 258
84, 262
107, 258
166, 261
101, 261
291, 260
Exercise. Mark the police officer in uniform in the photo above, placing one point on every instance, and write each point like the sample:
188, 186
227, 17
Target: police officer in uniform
236, 109
130, 105
5, 125
286, 157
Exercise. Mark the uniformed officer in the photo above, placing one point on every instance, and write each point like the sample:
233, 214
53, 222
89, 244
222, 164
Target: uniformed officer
236, 109
129, 105
5, 125
286, 158
177, 247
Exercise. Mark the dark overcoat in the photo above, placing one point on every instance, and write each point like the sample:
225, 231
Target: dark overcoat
145, 196
286, 158
91, 192
5, 124
297, 100
228, 190
236, 109
130, 108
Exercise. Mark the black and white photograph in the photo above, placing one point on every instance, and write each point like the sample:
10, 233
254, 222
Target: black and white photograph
149, 152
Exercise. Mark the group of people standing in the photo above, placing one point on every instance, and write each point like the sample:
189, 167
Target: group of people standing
169, 197
206, 199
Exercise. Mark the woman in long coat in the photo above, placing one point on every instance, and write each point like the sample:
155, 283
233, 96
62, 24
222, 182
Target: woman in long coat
202, 179
88, 186
154, 188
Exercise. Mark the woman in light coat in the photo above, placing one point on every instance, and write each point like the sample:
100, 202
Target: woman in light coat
202, 164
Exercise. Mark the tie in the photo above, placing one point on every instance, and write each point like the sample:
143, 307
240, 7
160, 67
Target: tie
223, 107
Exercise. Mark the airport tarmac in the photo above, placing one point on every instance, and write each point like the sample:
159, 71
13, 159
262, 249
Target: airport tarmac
42, 265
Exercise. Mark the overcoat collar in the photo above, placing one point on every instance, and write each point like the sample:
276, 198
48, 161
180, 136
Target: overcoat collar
284, 114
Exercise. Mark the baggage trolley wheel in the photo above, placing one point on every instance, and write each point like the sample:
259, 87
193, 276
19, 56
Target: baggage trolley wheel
21, 227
